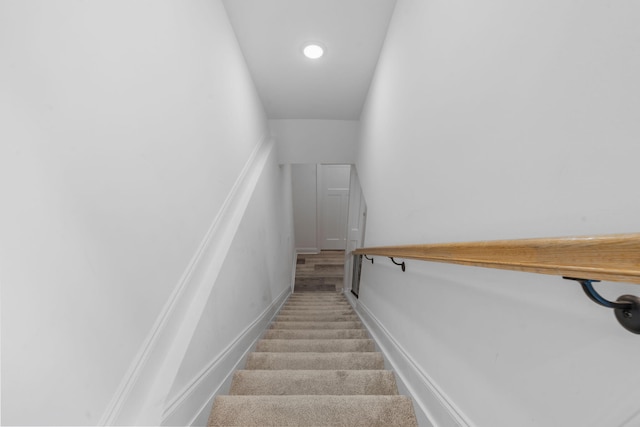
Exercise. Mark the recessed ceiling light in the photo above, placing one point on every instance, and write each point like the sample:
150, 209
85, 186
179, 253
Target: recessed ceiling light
313, 51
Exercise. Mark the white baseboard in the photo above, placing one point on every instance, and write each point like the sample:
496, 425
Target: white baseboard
215, 378
437, 409
351, 298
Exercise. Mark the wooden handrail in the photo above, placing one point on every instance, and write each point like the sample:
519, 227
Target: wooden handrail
614, 257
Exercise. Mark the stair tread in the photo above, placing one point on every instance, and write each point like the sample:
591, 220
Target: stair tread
314, 360
315, 298
358, 410
317, 301
303, 294
331, 309
313, 382
313, 313
316, 305
315, 345
317, 318
315, 334
317, 325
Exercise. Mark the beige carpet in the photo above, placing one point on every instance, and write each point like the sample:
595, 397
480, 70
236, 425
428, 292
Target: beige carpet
315, 366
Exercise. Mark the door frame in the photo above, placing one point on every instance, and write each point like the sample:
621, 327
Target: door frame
356, 229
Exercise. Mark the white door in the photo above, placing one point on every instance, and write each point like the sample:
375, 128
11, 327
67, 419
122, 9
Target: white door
333, 206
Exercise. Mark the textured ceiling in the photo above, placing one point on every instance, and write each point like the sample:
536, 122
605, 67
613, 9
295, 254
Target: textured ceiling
272, 33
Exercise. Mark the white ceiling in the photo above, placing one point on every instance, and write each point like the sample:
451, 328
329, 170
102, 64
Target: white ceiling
272, 33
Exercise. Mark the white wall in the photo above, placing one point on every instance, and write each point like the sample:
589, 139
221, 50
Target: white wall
255, 278
122, 137
315, 141
305, 205
491, 120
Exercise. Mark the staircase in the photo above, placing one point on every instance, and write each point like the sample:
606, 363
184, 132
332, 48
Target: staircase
315, 366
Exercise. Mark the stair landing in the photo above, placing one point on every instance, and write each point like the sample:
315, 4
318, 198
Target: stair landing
320, 272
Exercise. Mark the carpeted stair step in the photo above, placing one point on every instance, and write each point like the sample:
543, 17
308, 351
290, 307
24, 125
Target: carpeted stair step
317, 318
370, 411
315, 365
315, 360
314, 334
312, 285
315, 345
316, 325
367, 382
317, 305
330, 295
316, 308
308, 295
321, 301
303, 312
